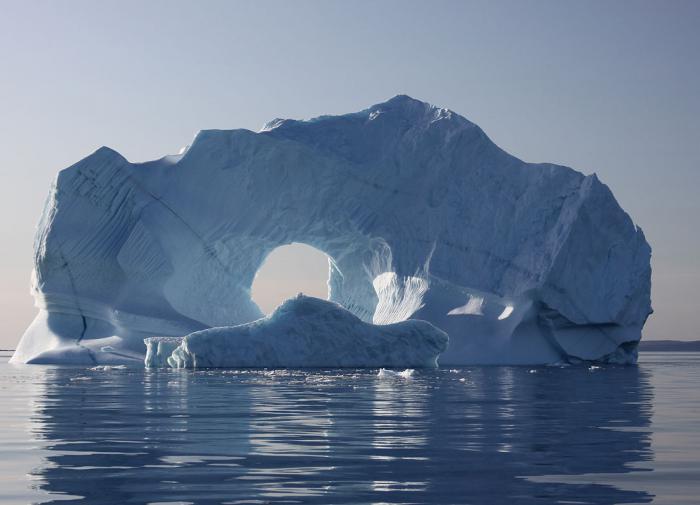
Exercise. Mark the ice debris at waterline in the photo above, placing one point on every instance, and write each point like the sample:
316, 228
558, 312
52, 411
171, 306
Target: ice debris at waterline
421, 214
303, 332
404, 374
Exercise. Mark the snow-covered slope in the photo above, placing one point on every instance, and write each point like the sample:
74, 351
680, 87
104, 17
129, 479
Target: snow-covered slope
304, 331
421, 214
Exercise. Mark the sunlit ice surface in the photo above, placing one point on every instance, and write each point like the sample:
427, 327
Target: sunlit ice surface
482, 435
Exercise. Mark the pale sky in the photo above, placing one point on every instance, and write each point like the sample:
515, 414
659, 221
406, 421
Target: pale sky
605, 87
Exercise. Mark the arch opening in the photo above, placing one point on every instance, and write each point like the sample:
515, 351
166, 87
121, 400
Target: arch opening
287, 271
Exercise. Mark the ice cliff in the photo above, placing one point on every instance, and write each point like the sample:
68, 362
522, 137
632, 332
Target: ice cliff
421, 215
303, 332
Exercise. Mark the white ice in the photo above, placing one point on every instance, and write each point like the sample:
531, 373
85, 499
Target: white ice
421, 215
303, 332
403, 374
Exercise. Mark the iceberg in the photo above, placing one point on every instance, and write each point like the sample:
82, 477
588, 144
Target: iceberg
422, 217
303, 332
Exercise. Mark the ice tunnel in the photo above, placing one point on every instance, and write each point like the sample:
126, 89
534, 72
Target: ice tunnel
288, 271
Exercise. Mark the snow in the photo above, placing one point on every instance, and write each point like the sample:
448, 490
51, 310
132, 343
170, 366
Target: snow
303, 332
421, 215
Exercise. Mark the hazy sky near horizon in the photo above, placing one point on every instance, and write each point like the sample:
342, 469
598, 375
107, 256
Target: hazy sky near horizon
605, 87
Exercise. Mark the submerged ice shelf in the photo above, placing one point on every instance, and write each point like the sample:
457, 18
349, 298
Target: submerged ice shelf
421, 215
303, 332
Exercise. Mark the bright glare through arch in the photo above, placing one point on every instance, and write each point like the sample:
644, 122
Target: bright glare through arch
288, 270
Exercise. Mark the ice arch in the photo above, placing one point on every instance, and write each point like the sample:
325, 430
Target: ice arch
423, 216
287, 271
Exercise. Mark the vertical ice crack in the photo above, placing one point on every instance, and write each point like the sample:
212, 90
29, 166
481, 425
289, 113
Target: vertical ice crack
79, 339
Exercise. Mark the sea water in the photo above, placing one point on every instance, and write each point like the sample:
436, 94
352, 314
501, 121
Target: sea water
481, 435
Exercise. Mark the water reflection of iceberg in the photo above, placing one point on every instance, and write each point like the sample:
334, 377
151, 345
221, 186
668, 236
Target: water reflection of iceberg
479, 435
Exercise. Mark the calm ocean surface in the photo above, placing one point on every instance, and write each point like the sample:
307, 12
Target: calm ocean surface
481, 435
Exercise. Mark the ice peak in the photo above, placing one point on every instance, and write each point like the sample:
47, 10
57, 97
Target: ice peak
403, 101
101, 156
402, 107
417, 112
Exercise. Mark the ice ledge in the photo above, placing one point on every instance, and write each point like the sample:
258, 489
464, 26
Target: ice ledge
303, 332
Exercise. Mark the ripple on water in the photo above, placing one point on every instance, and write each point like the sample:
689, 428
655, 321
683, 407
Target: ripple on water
455, 435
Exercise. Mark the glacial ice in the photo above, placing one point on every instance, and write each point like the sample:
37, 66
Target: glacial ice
421, 215
303, 332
